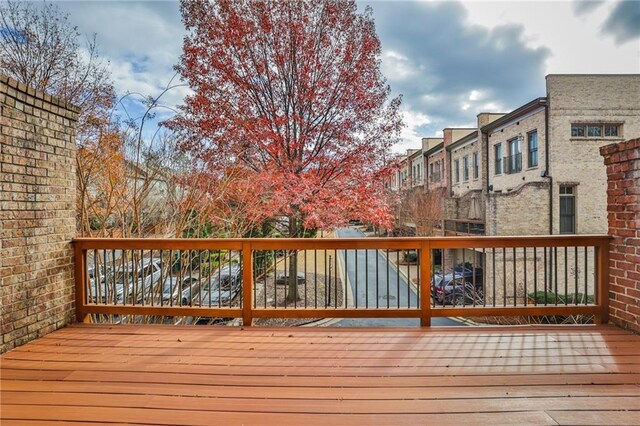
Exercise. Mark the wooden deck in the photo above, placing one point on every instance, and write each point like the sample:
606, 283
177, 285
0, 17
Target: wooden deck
326, 376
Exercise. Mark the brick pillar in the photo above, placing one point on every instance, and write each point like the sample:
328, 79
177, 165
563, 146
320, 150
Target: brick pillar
623, 176
37, 214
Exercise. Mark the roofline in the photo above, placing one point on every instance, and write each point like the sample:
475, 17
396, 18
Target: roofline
490, 113
434, 149
462, 141
460, 128
520, 111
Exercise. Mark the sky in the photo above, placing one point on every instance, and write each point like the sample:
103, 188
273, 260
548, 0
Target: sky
450, 60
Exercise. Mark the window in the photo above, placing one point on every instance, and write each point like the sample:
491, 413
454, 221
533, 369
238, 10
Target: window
594, 131
514, 161
611, 130
567, 210
607, 130
497, 149
457, 166
476, 165
577, 130
465, 170
532, 144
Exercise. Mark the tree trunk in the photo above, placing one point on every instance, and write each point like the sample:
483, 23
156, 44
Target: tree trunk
292, 281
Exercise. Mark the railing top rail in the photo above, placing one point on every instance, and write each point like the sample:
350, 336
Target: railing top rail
341, 243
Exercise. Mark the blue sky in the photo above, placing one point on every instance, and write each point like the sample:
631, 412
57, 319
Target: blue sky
450, 60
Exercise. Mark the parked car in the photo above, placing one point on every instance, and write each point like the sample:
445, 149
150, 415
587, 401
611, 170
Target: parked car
100, 272
458, 286
135, 279
283, 277
173, 287
219, 289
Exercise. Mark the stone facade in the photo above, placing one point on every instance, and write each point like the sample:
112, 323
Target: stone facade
465, 149
520, 130
622, 162
576, 160
437, 170
38, 196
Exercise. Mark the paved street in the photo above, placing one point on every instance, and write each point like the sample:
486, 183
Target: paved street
377, 282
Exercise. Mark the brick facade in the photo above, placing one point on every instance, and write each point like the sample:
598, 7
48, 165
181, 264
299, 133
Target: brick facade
38, 196
622, 162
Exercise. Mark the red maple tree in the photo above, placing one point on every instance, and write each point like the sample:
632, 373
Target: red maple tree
292, 92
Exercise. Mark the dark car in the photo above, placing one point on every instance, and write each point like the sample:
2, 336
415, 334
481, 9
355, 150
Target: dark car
221, 288
463, 285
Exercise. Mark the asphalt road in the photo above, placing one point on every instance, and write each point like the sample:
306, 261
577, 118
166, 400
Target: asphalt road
376, 283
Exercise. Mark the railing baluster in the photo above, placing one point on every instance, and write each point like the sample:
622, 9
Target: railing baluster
546, 284
575, 269
388, 277
555, 274
566, 278
366, 278
586, 275
535, 276
409, 281
515, 276
504, 276
525, 276
398, 278
355, 293
377, 260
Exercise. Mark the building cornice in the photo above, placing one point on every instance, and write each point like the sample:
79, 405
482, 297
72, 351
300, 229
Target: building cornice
515, 114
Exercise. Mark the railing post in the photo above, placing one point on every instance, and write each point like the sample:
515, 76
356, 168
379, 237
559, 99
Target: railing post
425, 283
247, 284
80, 278
602, 259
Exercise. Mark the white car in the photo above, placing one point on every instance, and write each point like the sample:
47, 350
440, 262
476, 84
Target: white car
129, 283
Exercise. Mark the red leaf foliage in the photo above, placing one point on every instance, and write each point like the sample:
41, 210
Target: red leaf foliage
290, 91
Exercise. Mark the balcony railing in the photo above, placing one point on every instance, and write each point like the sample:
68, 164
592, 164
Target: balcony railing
463, 227
133, 279
513, 163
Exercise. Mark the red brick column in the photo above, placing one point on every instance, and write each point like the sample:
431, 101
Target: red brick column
623, 175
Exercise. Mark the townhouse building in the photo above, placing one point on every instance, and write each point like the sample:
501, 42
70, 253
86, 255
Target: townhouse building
543, 174
533, 171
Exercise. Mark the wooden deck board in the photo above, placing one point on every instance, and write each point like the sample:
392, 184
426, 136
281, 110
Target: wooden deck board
216, 375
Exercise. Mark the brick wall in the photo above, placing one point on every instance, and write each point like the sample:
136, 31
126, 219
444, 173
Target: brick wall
622, 161
37, 218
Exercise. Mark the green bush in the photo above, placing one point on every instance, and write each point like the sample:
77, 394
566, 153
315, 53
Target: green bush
410, 256
551, 298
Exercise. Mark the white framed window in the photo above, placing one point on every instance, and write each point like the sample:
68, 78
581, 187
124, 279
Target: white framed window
497, 151
567, 209
596, 130
476, 165
532, 148
465, 169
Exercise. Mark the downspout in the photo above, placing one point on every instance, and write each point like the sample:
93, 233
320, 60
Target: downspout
546, 165
485, 138
546, 161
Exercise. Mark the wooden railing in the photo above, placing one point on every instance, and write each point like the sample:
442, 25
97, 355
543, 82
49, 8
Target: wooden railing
251, 278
